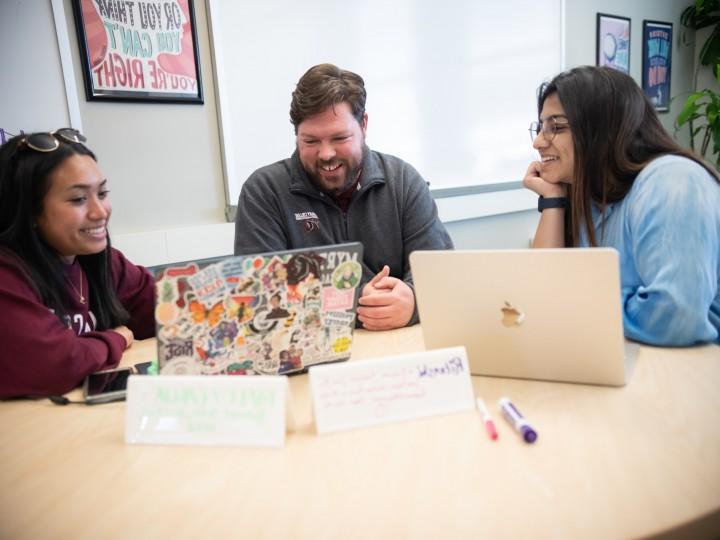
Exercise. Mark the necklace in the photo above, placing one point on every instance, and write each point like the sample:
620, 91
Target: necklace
80, 292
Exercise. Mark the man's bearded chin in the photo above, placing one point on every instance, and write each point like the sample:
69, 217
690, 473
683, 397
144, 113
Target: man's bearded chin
351, 174
350, 177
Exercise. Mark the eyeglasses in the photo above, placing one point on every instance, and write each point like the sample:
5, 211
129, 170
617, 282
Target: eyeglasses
549, 127
49, 142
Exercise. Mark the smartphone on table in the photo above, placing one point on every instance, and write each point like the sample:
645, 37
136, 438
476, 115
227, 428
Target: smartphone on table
111, 384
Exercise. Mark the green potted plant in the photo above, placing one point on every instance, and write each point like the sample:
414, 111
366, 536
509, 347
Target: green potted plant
701, 111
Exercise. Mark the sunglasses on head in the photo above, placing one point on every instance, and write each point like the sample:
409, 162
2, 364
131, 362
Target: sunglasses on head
48, 142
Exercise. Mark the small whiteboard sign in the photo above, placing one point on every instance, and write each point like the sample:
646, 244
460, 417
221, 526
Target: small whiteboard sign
218, 410
391, 389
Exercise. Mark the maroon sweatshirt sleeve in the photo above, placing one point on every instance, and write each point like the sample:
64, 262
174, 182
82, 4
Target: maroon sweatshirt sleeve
135, 287
40, 356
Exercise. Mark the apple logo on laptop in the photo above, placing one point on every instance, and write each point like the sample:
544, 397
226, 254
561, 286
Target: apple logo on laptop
511, 316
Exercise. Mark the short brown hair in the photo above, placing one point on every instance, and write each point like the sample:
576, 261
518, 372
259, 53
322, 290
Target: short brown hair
323, 86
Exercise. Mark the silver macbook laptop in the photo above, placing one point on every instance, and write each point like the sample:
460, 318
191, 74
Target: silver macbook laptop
551, 314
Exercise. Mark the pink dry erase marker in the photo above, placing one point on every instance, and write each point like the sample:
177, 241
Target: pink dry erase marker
489, 424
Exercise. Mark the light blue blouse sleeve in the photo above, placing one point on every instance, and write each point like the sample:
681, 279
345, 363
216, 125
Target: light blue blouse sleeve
673, 227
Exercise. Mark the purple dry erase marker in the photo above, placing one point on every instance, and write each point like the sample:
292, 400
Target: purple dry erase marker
517, 420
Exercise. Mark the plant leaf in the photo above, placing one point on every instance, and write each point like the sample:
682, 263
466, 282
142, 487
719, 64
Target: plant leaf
716, 144
703, 13
710, 52
690, 109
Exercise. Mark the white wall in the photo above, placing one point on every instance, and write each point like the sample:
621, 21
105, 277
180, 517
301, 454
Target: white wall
705, 79
163, 161
425, 64
503, 231
580, 44
514, 230
32, 95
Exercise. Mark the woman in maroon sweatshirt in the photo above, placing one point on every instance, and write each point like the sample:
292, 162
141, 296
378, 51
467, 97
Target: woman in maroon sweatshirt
71, 304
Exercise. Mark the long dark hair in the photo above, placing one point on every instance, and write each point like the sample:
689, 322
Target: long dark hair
616, 133
24, 181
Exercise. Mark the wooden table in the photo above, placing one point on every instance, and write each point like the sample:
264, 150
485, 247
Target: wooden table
609, 463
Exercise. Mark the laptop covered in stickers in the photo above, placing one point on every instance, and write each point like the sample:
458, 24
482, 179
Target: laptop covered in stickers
269, 313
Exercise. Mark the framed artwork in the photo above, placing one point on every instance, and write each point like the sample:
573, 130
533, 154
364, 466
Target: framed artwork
613, 42
656, 63
139, 51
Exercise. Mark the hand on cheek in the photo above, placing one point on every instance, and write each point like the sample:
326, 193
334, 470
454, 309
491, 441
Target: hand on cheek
535, 182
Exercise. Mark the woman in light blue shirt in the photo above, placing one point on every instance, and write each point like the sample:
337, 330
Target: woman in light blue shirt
609, 175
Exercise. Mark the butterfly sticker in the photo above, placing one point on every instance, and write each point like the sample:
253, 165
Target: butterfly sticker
241, 307
199, 314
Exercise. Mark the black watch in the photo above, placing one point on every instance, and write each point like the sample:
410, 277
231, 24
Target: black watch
552, 202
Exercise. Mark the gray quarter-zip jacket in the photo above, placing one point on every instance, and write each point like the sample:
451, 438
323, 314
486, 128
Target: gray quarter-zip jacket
392, 214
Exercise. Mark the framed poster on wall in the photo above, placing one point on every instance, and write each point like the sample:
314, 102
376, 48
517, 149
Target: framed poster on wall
139, 51
613, 42
656, 63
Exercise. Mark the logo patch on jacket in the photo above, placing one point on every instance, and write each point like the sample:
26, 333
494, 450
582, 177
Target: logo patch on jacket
309, 221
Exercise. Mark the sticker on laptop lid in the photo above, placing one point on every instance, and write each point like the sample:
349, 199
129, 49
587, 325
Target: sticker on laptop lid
241, 315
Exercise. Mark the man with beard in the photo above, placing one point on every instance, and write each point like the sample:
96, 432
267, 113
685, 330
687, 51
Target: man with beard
334, 189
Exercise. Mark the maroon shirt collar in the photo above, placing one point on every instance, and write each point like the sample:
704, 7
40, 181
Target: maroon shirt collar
343, 198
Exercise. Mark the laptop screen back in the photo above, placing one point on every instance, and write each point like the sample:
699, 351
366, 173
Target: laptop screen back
270, 313
551, 314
